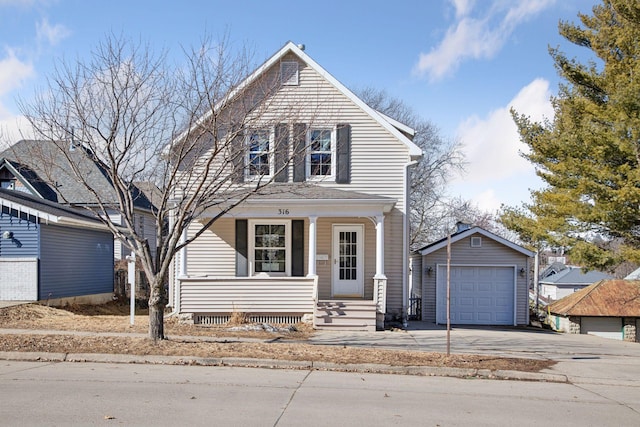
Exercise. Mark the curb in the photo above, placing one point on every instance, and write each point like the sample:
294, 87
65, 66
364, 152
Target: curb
429, 371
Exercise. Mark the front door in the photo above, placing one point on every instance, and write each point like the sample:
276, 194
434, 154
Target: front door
348, 268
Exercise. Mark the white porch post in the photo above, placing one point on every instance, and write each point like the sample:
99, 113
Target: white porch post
380, 247
311, 268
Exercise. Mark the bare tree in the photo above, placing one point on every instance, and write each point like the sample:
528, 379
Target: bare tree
178, 127
431, 209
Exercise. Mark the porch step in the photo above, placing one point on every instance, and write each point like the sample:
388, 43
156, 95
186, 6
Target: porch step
345, 315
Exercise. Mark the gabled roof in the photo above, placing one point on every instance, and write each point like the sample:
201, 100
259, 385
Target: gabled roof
394, 127
469, 232
48, 211
575, 276
46, 166
616, 297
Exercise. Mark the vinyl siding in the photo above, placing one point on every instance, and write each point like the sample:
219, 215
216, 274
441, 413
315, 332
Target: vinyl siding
25, 242
247, 295
75, 262
491, 253
213, 253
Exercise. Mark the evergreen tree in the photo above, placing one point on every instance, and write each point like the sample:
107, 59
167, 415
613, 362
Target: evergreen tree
589, 154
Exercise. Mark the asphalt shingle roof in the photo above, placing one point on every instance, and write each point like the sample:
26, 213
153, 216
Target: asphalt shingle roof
616, 297
48, 167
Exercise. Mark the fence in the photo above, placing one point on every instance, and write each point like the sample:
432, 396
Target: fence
121, 286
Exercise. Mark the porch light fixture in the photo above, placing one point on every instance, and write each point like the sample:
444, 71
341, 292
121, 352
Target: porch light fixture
429, 270
522, 270
7, 235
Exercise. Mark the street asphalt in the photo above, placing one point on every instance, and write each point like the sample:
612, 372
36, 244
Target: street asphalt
580, 358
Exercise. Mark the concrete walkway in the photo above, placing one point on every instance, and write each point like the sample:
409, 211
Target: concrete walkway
581, 358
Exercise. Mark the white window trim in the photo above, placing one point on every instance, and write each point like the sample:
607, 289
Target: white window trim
333, 154
251, 246
247, 175
476, 242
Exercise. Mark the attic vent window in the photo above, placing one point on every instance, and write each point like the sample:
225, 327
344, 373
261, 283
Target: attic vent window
289, 73
476, 242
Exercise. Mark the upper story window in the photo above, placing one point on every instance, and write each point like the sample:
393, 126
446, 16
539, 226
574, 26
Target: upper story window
321, 153
259, 153
289, 73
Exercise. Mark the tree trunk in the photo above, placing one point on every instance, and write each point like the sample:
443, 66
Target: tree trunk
157, 304
156, 322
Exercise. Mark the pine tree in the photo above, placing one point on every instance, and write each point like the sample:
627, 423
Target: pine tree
589, 154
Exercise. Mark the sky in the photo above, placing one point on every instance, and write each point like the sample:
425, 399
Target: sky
461, 64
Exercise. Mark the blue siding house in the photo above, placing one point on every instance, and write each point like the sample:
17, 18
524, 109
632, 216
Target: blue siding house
50, 252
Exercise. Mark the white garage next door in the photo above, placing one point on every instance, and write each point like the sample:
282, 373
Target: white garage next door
479, 295
606, 327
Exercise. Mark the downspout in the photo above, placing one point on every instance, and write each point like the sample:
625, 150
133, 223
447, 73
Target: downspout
405, 242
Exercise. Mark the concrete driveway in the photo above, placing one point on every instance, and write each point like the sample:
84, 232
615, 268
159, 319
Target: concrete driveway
583, 358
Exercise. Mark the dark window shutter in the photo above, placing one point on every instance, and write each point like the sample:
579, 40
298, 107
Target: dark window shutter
238, 157
343, 154
281, 149
300, 152
242, 250
297, 247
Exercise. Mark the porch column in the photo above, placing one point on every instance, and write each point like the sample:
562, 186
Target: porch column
380, 247
311, 268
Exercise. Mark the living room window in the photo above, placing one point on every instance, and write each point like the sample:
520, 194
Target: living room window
321, 153
259, 153
270, 247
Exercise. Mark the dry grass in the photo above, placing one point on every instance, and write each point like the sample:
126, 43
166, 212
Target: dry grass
114, 317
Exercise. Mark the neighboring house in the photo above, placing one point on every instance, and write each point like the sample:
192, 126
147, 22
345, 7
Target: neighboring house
41, 169
329, 240
52, 252
558, 280
608, 308
488, 284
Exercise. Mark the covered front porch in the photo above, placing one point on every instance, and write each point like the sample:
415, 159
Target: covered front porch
326, 268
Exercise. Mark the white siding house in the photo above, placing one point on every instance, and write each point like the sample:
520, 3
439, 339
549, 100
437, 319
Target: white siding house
338, 211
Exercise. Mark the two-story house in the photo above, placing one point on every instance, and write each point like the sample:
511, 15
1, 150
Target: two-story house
328, 240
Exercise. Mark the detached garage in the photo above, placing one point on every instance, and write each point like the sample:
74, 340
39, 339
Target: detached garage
608, 309
489, 279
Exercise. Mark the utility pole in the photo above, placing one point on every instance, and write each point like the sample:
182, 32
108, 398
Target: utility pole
449, 294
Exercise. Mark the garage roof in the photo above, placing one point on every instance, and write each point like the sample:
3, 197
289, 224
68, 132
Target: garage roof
469, 232
616, 297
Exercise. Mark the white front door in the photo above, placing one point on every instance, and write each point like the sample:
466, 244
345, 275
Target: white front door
348, 261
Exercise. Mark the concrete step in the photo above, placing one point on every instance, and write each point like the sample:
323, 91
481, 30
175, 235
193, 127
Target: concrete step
345, 315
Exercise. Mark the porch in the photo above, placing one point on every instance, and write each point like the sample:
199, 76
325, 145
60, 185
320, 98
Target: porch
214, 300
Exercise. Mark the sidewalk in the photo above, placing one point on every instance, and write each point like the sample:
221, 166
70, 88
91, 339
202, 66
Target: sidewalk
580, 358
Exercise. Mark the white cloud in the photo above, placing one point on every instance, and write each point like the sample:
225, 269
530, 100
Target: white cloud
463, 7
13, 73
492, 144
476, 37
52, 34
496, 172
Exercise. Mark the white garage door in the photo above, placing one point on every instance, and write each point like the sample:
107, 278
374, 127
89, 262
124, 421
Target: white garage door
479, 295
606, 327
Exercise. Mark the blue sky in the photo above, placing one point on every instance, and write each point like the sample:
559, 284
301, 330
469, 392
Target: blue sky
459, 63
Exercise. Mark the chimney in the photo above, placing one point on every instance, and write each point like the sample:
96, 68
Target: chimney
461, 226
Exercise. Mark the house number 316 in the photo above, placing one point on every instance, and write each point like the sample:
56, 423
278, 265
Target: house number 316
283, 211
